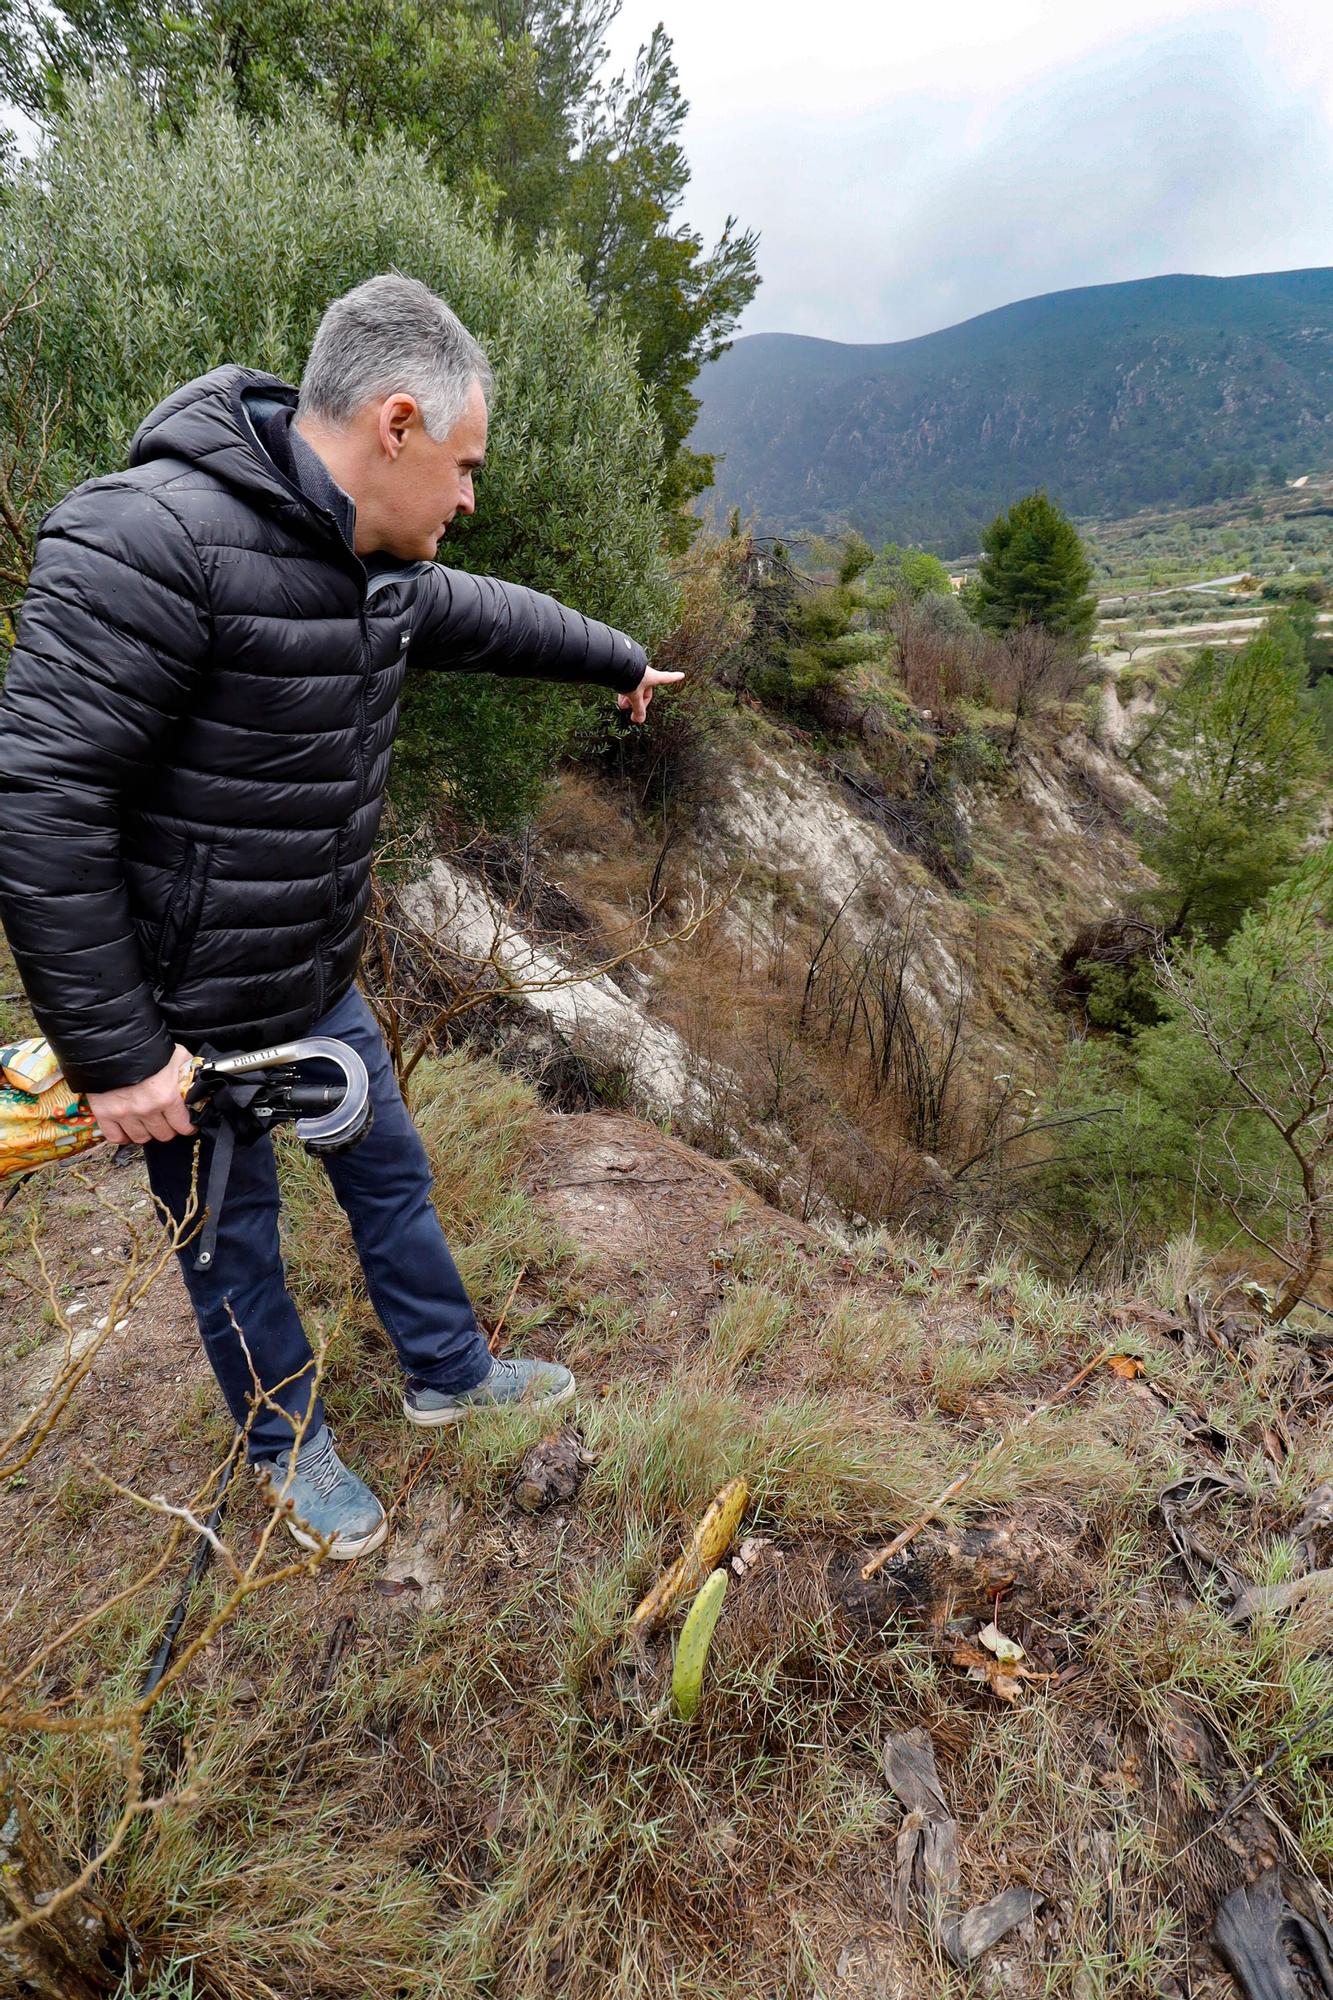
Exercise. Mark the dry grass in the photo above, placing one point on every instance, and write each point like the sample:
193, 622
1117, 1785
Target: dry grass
493, 1798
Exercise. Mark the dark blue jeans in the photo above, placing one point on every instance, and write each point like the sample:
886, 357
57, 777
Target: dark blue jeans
383, 1186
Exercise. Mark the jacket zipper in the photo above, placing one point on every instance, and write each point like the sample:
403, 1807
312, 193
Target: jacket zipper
321, 962
185, 909
353, 563
367, 663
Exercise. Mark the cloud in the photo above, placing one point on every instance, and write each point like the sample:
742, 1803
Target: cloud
1183, 149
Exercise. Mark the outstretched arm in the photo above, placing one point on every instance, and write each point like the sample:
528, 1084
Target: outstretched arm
477, 624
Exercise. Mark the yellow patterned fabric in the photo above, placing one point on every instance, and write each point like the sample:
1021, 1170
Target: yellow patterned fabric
41, 1118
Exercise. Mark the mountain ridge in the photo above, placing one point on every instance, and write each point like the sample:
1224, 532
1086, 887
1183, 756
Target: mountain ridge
1164, 390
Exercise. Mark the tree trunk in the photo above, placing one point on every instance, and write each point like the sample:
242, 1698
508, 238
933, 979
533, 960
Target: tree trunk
1296, 1286
80, 1954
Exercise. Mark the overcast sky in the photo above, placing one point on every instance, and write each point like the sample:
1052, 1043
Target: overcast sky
911, 166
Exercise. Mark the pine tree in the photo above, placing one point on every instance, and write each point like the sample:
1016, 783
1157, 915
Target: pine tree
812, 640
1035, 571
1218, 1118
1237, 758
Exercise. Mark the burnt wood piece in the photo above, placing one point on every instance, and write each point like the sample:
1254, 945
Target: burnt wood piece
977, 1930
939, 1576
1274, 1950
551, 1472
928, 1870
78, 1954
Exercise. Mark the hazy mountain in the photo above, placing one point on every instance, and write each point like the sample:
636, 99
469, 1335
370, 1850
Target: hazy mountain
1161, 392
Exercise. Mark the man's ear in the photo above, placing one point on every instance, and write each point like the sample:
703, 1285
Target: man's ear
398, 413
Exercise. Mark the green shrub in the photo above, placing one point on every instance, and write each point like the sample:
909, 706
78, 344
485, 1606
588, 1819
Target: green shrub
1121, 998
1293, 590
154, 257
900, 573
822, 635
1132, 681
1217, 1119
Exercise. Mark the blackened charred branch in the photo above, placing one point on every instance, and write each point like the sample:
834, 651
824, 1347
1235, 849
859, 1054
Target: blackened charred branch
866, 996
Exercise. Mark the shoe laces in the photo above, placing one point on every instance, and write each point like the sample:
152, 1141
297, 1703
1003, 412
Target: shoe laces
323, 1470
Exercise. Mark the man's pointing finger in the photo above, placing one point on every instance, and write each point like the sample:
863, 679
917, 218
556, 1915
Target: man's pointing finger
637, 702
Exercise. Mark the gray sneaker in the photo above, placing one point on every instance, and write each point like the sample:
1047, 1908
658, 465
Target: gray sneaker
539, 1384
327, 1499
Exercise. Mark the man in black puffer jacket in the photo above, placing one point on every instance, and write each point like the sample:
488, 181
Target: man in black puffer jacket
195, 736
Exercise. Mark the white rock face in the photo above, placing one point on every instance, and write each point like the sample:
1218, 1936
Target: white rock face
786, 853
591, 1013
1040, 788
1112, 778
790, 822
1122, 722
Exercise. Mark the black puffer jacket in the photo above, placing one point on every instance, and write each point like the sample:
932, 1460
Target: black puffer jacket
195, 735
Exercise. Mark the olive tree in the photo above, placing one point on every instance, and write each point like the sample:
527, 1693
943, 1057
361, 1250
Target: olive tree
143, 258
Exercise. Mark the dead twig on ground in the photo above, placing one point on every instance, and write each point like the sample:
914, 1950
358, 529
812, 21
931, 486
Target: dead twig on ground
144, 1265
494, 1342
955, 1487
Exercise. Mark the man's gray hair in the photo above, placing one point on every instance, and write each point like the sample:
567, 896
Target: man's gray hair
392, 335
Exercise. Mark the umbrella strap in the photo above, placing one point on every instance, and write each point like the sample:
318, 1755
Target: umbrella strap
219, 1171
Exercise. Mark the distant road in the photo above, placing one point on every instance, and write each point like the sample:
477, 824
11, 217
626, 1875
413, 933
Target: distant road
1217, 628
1170, 638
1142, 596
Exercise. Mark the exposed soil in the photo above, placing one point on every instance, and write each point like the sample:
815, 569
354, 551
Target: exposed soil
643, 1206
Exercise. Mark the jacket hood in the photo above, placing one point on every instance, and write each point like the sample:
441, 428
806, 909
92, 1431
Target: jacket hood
210, 423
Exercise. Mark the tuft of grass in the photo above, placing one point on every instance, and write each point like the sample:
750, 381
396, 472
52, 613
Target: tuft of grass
745, 1330
171, 1978
806, 1460
477, 1125
867, 1347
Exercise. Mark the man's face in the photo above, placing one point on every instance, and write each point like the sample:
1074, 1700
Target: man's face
424, 481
